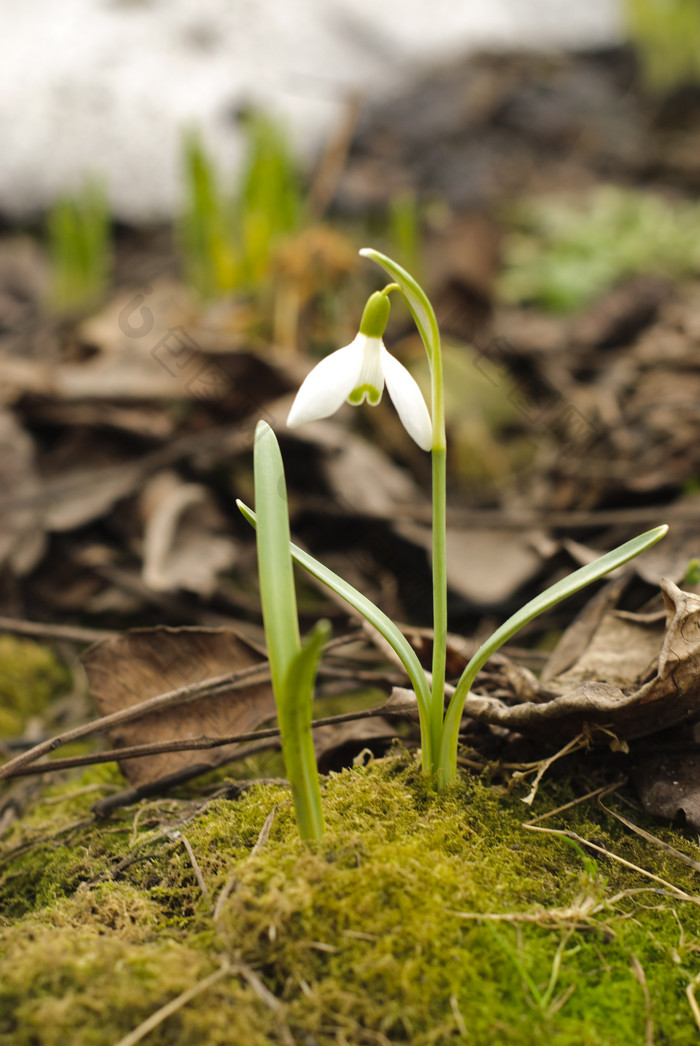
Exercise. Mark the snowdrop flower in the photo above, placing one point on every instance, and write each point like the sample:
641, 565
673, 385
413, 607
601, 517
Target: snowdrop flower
358, 372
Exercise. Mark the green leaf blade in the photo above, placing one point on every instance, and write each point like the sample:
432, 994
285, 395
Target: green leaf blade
277, 592
294, 715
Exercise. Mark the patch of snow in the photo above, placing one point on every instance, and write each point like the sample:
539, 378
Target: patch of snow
107, 86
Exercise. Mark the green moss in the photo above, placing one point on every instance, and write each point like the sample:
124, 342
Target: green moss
366, 937
30, 678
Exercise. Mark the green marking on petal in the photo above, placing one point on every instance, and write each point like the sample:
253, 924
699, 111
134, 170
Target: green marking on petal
369, 391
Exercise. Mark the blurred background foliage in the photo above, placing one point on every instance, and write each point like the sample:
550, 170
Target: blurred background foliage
80, 248
666, 35
562, 252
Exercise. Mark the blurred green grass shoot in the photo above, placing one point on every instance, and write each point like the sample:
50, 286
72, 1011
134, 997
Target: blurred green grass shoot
80, 248
227, 238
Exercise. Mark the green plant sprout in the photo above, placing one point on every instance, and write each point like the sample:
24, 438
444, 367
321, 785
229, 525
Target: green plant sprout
358, 372
79, 247
227, 239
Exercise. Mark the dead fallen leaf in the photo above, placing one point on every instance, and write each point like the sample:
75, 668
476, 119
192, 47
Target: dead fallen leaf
22, 538
336, 745
132, 667
581, 631
485, 566
632, 680
79, 495
364, 480
183, 545
623, 650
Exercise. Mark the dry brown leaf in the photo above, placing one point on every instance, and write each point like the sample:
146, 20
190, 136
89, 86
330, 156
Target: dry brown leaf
623, 650
364, 480
183, 544
618, 685
580, 632
487, 567
22, 539
336, 745
127, 670
77, 496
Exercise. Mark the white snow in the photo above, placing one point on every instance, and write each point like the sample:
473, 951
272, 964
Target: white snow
107, 86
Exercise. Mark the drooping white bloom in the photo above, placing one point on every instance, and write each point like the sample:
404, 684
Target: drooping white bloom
358, 372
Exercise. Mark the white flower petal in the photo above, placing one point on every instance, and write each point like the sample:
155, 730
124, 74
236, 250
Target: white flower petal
328, 385
408, 400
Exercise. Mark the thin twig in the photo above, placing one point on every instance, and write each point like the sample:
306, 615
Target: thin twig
174, 1005
680, 894
71, 633
639, 973
204, 687
543, 765
264, 834
330, 166
129, 715
185, 744
267, 998
690, 992
603, 790
666, 847
496, 519
195, 865
104, 808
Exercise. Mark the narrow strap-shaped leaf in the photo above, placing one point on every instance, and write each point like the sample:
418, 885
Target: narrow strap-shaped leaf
277, 593
544, 601
376, 617
294, 715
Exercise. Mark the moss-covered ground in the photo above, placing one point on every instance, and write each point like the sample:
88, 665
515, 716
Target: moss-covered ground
421, 918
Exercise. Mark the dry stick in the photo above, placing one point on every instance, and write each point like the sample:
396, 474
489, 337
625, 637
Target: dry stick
212, 686
639, 973
128, 715
174, 1005
330, 167
50, 631
603, 790
265, 995
499, 520
666, 847
543, 765
690, 992
104, 808
185, 744
680, 894
195, 867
